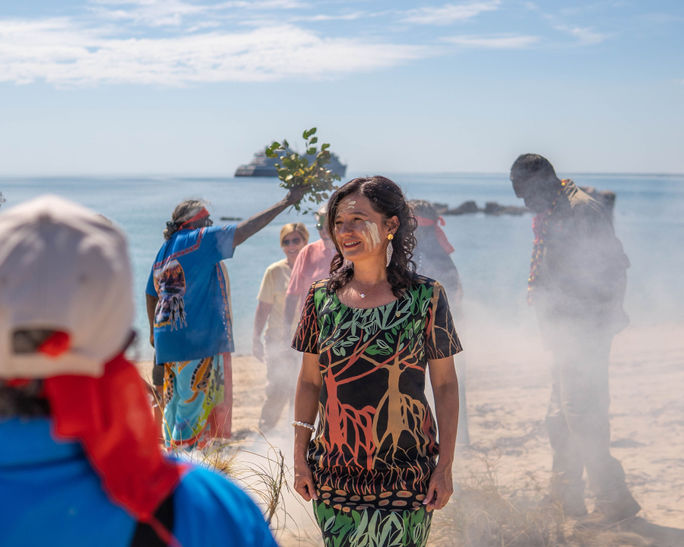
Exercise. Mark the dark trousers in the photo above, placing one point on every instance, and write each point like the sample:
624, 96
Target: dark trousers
578, 421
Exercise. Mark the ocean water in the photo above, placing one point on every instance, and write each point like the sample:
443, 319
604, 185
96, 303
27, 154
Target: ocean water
492, 252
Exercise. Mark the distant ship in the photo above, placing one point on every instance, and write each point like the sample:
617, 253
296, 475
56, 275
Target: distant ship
263, 166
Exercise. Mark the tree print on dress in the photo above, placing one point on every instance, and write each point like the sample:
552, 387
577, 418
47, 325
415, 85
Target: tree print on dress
376, 440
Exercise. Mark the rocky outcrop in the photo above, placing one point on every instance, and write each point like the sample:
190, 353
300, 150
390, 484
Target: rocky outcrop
490, 208
465, 208
605, 197
493, 208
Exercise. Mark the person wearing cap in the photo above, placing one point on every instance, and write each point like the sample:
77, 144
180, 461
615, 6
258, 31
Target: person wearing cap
80, 463
431, 257
281, 362
576, 284
188, 308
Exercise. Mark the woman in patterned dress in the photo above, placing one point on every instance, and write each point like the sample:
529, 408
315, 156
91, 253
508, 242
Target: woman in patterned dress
374, 468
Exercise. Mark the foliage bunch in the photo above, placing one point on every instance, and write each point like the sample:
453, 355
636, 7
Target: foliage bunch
308, 169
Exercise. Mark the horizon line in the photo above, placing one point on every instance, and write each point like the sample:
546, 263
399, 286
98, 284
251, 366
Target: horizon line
224, 176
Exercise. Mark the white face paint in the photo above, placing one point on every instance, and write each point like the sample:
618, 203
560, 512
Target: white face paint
359, 227
372, 234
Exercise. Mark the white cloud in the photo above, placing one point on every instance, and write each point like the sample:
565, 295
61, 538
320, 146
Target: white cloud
585, 36
332, 17
267, 4
493, 42
154, 13
160, 13
61, 52
448, 13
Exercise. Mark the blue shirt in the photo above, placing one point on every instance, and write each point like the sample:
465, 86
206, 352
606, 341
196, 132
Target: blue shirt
51, 496
192, 319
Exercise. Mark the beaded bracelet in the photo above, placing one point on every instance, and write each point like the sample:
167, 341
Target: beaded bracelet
297, 423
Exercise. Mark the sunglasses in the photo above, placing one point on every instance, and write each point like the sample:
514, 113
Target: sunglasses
320, 222
293, 241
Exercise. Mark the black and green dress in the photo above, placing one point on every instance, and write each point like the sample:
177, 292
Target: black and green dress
376, 443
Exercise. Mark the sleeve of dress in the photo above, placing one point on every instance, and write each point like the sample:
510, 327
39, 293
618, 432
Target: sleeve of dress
307, 333
441, 338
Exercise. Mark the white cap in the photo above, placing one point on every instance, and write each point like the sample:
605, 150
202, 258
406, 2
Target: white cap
66, 268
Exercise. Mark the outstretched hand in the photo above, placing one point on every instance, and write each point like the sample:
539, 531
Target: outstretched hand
440, 488
296, 193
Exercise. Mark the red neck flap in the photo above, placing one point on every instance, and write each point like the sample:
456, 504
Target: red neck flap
111, 418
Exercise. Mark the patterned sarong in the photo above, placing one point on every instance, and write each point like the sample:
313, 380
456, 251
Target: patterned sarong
197, 401
372, 527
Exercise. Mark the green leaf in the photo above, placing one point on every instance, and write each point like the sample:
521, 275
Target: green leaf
307, 169
271, 150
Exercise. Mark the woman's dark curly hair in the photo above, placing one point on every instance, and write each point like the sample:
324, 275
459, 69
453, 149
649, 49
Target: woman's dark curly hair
387, 199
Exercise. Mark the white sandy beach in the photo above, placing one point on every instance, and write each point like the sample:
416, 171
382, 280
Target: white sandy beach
508, 391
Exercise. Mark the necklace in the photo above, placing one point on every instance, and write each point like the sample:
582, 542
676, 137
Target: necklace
540, 227
363, 293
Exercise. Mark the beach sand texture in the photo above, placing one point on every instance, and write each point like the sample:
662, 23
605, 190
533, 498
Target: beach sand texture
508, 389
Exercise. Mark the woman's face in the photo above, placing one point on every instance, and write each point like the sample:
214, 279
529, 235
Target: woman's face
360, 231
292, 243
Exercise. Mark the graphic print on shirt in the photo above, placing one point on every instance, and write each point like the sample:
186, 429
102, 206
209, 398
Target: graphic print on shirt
169, 282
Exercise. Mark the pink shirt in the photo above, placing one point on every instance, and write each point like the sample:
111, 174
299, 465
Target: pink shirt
312, 264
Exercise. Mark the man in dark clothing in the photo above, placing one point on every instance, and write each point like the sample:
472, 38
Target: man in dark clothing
576, 285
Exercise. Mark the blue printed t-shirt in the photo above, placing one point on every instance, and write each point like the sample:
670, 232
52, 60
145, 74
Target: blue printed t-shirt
192, 318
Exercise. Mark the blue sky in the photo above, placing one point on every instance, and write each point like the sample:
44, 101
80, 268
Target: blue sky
197, 86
